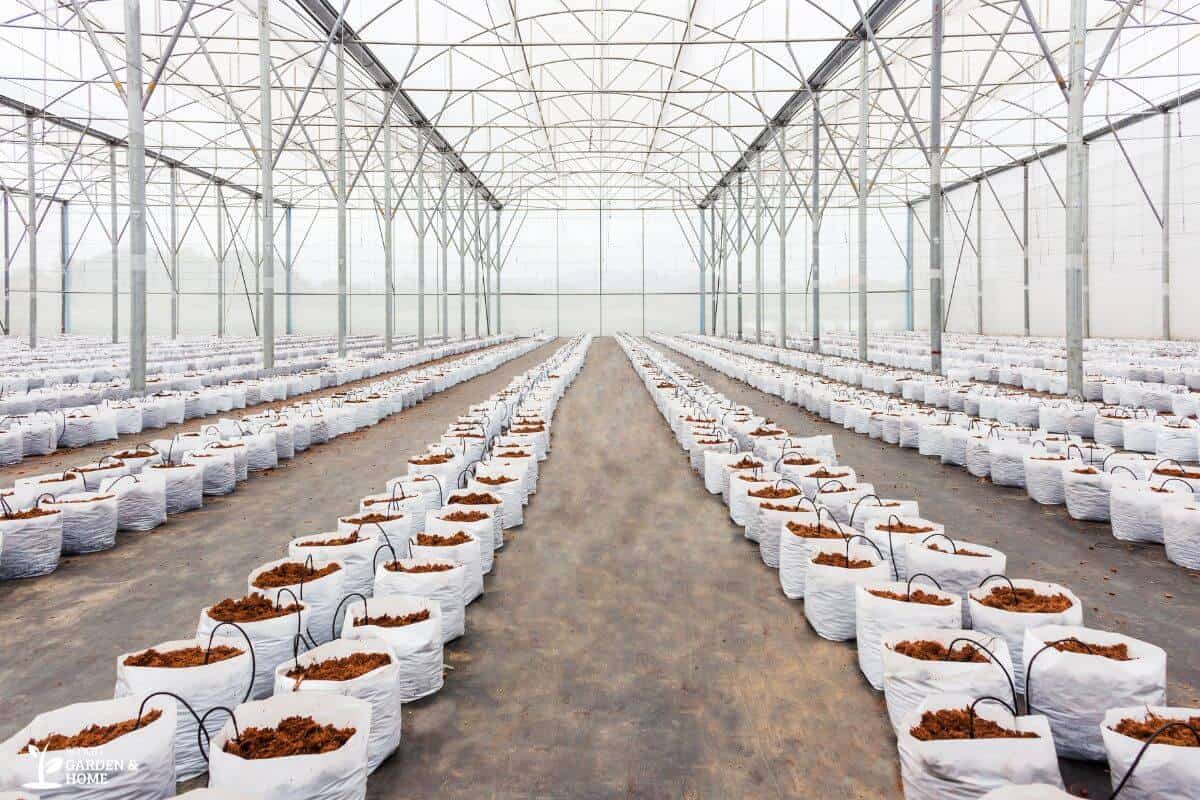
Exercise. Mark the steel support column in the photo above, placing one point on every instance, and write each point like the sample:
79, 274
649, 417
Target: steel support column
462, 258
908, 267
478, 258
114, 242
173, 247
701, 265
289, 285
818, 214
935, 190
137, 196
1165, 277
724, 264
389, 270
420, 167
759, 237
864, 112
445, 254
266, 179
64, 263
499, 266
741, 246
31, 226
1025, 240
712, 268
1087, 245
978, 257
8, 273
220, 261
342, 236
783, 284
1074, 226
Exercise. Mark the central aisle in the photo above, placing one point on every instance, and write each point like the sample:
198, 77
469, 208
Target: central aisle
632, 644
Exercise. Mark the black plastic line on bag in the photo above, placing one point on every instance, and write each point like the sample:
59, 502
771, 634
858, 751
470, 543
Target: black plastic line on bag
202, 732
249, 644
878, 503
375, 558
1033, 658
1077, 447
1146, 746
1011, 586
1012, 686
854, 536
832, 519
977, 701
1178, 480
795, 486
1121, 466
135, 478
892, 546
821, 484
461, 480
913, 577
349, 596
142, 708
1154, 469
953, 546
441, 494
6, 509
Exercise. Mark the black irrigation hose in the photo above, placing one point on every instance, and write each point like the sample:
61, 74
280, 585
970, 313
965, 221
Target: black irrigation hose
977, 701
249, 645
913, 577
338, 610
1012, 685
953, 546
878, 502
1033, 658
854, 536
202, 732
1141, 752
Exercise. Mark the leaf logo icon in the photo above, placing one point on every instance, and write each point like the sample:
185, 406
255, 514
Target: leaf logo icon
44, 767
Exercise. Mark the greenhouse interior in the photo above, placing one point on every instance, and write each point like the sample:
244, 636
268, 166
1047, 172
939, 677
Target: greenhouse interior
765, 399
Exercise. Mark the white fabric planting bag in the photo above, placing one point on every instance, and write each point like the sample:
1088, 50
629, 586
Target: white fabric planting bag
795, 553
11, 446
151, 747
89, 521
31, 544
968, 768
218, 468
1166, 772
829, 591
321, 595
1011, 625
1044, 478
182, 486
417, 646
219, 683
892, 535
482, 531
356, 557
1181, 534
380, 687
1086, 492
141, 500
875, 616
337, 775
27, 491
908, 681
444, 586
1136, 508
467, 554
488, 502
954, 571
1074, 690
273, 640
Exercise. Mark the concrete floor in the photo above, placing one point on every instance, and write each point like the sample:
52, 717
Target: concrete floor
630, 644
1131, 589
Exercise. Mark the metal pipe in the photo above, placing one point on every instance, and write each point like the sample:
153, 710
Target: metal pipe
724, 265
31, 226
220, 261
7, 328
478, 258
137, 196
173, 244
389, 277
64, 262
462, 259
114, 243
1074, 226
700, 265
445, 255
342, 236
935, 190
288, 282
499, 266
818, 213
266, 180
759, 201
712, 267
740, 248
1025, 239
864, 112
978, 257
1087, 247
420, 167
1165, 278
783, 284
908, 267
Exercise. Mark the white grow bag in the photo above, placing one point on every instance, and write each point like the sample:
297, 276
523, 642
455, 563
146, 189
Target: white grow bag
829, 592
273, 640
1011, 625
446, 587
337, 775
876, 616
1166, 772
417, 646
